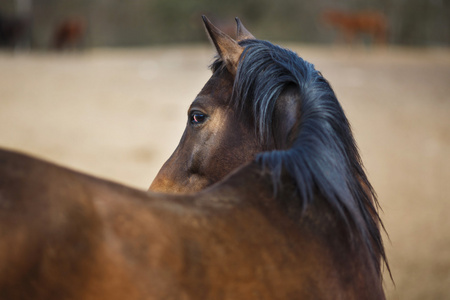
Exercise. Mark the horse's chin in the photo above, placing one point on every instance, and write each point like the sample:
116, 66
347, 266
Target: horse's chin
194, 183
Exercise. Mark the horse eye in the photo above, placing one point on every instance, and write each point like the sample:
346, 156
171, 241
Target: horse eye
197, 118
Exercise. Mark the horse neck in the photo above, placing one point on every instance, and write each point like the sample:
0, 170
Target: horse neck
315, 232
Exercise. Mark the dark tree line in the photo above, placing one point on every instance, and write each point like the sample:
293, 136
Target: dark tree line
146, 22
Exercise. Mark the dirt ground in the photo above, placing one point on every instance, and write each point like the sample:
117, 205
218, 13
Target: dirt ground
119, 114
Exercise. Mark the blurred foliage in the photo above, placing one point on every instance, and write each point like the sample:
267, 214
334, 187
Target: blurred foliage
145, 22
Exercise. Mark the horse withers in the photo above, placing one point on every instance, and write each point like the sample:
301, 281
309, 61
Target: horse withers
269, 201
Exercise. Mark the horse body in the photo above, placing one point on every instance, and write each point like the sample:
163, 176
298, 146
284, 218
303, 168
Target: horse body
297, 221
350, 25
83, 237
69, 34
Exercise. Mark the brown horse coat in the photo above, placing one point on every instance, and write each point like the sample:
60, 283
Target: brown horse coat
66, 235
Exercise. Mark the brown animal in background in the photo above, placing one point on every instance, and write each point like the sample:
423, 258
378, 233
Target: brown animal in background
298, 221
350, 25
69, 34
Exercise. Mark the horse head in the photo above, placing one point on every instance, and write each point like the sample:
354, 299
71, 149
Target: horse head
218, 137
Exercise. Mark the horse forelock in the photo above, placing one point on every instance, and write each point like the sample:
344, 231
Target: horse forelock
324, 157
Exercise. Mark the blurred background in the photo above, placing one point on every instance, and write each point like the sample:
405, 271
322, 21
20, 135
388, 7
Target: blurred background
103, 87
109, 23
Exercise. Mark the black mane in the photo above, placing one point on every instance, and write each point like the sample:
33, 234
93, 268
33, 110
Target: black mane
324, 157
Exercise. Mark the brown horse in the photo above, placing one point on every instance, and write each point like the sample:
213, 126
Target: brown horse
351, 25
297, 221
69, 34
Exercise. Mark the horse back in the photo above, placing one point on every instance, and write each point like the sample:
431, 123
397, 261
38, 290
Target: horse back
65, 235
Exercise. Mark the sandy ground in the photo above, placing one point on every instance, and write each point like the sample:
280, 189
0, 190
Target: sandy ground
119, 114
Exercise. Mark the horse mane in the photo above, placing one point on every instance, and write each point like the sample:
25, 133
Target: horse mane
324, 158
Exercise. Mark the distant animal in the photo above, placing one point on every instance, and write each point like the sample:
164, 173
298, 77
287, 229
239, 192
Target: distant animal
269, 201
69, 34
352, 25
14, 31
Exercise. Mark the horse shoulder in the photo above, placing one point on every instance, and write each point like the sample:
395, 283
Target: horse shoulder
68, 235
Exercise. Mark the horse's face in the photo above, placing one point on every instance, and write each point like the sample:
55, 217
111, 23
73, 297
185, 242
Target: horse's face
216, 140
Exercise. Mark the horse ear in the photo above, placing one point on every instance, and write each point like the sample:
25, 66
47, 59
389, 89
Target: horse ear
242, 32
228, 49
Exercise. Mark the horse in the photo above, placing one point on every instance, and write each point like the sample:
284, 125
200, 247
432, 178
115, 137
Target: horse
69, 34
265, 197
350, 25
